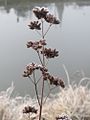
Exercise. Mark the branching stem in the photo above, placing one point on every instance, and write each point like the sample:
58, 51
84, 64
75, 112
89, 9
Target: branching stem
31, 79
48, 94
38, 32
36, 89
39, 79
40, 57
42, 89
47, 29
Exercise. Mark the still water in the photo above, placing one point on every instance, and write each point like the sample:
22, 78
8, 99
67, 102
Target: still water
71, 38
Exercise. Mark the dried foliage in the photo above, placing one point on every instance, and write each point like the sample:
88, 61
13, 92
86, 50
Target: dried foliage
42, 15
73, 102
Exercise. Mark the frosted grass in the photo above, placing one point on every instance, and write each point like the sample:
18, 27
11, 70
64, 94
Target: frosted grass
73, 101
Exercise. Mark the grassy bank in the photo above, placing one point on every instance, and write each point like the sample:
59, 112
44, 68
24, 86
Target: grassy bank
73, 101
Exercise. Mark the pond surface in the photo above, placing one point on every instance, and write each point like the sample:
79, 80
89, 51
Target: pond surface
71, 38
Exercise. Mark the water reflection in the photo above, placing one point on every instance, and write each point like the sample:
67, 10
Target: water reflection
72, 39
23, 7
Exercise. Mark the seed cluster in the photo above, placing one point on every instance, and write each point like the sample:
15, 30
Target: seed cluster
50, 53
46, 76
31, 68
35, 25
51, 19
42, 13
36, 45
29, 109
53, 80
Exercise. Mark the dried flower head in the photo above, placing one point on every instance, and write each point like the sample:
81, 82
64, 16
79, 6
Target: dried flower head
43, 42
29, 69
29, 109
40, 12
56, 81
53, 80
63, 117
32, 67
43, 69
35, 25
36, 45
52, 19
49, 53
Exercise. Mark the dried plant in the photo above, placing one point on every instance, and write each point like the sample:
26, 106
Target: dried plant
44, 53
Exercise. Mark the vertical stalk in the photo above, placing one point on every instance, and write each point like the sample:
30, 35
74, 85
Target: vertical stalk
42, 29
40, 57
43, 45
29, 116
40, 114
42, 89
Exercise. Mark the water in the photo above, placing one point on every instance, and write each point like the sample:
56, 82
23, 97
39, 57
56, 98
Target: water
71, 38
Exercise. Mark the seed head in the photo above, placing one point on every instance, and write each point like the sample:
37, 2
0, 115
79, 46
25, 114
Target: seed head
35, 25
49, 53
52, 19
32, 67
53, 80
56, 81
40, 12
36, 45
29, 109
29, 69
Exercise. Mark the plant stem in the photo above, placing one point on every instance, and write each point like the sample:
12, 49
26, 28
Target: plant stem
39, 79
40, 57
41, 100
42, 29
29, 116
31, 79
48, 94
48, 29
43, 39
42, 90
38, 32
36, 90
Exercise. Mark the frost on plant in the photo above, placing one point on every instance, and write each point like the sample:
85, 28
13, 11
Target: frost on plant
44, 53
71, 103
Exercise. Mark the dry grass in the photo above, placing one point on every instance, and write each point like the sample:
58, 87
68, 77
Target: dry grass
74, 101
